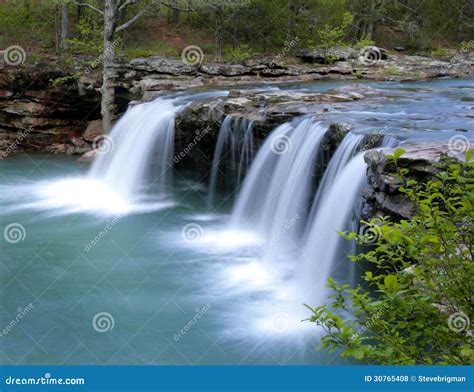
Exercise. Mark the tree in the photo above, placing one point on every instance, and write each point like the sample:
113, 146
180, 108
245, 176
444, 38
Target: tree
220, 9
416, 305
112, 12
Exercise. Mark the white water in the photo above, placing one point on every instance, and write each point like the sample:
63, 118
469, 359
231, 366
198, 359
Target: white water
276, 192
144, 132
235, 149
324, 248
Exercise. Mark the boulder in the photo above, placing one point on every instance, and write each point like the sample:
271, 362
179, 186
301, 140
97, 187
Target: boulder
93, 130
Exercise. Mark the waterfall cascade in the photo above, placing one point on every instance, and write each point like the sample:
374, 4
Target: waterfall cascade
149, 128
277, 190
234, 150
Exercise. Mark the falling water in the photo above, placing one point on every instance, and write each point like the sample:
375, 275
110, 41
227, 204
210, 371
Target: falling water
276, 191
143, 131
336, 208
234, 149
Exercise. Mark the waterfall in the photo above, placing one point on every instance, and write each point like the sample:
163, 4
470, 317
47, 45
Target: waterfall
324, 248
276, 192
143, 131
234, 149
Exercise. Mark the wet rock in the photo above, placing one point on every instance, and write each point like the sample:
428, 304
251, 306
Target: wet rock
93, 130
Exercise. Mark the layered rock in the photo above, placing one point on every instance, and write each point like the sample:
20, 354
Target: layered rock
266, 110
382, 196
38, 113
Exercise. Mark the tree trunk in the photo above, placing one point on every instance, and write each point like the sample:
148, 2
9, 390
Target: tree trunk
175, 15
109, 72
63, 35
218, 35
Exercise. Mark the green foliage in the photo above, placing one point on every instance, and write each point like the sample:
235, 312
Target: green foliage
90, 37
415, 305
363, 43
238, 55
330, 35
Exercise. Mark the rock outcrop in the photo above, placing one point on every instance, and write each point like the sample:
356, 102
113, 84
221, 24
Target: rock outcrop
382, 196
37, 113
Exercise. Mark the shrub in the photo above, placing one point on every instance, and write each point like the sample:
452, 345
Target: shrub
415, 306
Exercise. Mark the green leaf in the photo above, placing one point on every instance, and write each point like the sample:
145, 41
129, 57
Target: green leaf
390, 282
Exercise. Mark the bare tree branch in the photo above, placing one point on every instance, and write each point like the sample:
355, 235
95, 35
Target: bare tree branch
89, 6
126, 4
133, 20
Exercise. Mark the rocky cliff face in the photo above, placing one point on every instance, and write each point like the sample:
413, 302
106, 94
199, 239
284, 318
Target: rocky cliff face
38, 114
382, 196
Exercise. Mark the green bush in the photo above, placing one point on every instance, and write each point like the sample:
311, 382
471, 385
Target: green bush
415, 306
238, 55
